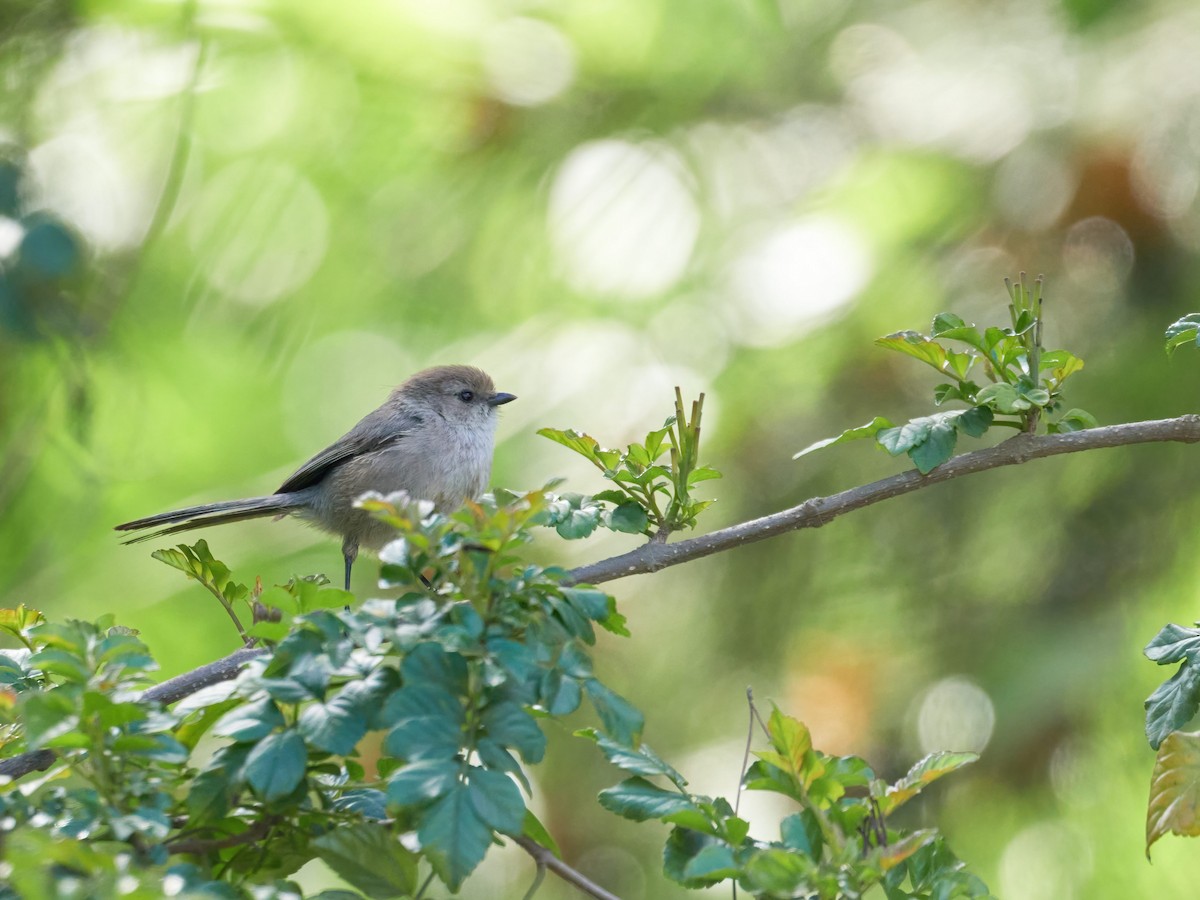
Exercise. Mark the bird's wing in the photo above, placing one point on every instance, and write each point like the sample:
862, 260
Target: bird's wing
378, 430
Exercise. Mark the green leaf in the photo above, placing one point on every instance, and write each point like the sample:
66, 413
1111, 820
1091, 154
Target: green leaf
497, 800
275, 766
801, 831
511, 726
776, 872
1073, 420
1173, 704
428, 723
937, 447
370, 858
422, 781
870, 430
642, 761
899, 439
629, 518
712, 864
1002, 397
430, 663
335, 727
583, 444
1183, 331
47, 715
536, 831
925, 771
638, 799
975, 421
453, 837
250, 721
1173, 644
621, 719
916, 345
559, 694
1175, 789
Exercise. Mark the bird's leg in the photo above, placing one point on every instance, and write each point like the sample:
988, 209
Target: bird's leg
350, 553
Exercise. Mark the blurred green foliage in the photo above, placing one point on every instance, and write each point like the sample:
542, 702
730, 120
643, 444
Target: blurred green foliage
280, 211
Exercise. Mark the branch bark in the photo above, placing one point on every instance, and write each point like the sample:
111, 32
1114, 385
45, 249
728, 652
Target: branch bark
547, 860
817, 511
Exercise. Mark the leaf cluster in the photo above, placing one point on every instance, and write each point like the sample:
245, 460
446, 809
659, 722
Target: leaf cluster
458, 676
1021, 383
651, 495
839, 843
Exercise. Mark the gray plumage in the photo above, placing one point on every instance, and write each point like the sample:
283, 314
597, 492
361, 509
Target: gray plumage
432, 438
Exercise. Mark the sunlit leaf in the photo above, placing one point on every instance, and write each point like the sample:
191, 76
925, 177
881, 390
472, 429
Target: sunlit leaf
1175, 788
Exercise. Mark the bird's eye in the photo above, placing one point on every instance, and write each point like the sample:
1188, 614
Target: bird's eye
466, 396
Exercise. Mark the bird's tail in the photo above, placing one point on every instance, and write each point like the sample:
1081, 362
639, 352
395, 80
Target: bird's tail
210, 514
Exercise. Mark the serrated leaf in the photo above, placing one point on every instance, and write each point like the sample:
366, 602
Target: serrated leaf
335, 727
430, 663
275, 766
250, 721
1174, 643
453, 837
712, 864
583, 444
511, 726
497, 800
370, 858
428, 722
629, 518
1183, 331
897, 852
1073, 420
621, 719
916, 345
975, 421
638, 799
924, 772
870, 430
1175, 789
422, 781
937, 447
1173, 704
642, 761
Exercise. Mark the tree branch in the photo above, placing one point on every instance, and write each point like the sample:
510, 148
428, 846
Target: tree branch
547, 860
816, 511
167, 692
812, 513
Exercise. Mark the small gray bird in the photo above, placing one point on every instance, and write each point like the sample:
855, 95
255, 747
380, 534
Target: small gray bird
433, 438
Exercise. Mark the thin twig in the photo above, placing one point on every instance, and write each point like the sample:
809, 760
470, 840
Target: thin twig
545, 858
817, 511
256, 832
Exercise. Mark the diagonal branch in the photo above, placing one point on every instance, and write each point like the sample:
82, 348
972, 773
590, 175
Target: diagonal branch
817, 511
547, 860
812, 513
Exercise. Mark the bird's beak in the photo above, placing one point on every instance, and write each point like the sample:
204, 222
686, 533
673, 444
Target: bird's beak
500, 399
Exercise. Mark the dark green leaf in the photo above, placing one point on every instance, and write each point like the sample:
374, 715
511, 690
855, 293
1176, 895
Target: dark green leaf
275, 766
801, 831
453, 837
1073, 420
511, 726
370, 858
776, 872
642, 761
974, 421
422, 781
937, 447
1173, 703
250, 721
621, 719
497, 800
335, 727
639, 800
366, 802
559, 694
629, 518
429, 663
428, 723
712, 864
1174, 644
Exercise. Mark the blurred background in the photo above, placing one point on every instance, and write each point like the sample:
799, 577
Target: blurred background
228, 228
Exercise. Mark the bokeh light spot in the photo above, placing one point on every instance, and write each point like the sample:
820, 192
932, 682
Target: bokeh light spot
955, 714
793, 277
1098, 254
623, 221
1046, 861
527, 62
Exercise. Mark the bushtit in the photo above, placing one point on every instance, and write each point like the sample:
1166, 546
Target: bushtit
432, 438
